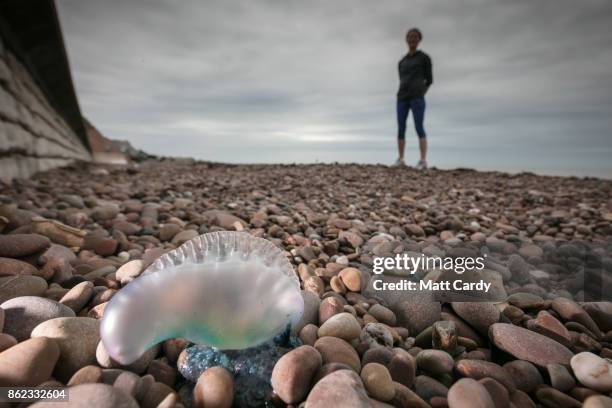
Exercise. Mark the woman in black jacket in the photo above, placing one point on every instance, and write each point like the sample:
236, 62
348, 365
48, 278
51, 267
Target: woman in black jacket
415, 78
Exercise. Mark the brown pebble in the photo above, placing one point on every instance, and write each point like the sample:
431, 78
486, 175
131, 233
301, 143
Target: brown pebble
402, 368
293, 373
553, 398
377, 381
308, 334
28, 363
214, 389
335, 350
469, 393
499, 394
156, 393
162, 372
527, 345
87, 374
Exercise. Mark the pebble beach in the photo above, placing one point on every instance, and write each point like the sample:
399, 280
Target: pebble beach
74, 237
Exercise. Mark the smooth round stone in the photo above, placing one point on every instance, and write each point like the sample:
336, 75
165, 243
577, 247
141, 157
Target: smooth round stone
382, 314
155, 394
24, 313
78, 296
341, 325
427, 387
551, 397
28, 363
21, 285
315, 285
311, 311
11, 267
498, 393
601, 313
469, 393
597, 401
162, 372
402, 368
214, 389
406, 398
351, 277
327, 369
560, 378
380, 355
184, 236
20, 245
480, 315
436, 362
77, 338
101, 245
530, 250
593, 371
86, 375
105, 212
6, 341
527, 345
518, 268
526, 376
378, 382
129, 271
308, 334
94, 395
524, 300
337, 285
128, 228
102, 296
478, 369
130, 383
520, 399
335, 350
168, 231
416, 316
342, 388
573, 312
463, 329
293, 373
139, 366
329, 306
548, 325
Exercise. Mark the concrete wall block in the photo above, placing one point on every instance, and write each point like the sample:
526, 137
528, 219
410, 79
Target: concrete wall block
17, 138
8, 105
3, 137
45, 147
36, 135
23, 167
25, 116
5, 71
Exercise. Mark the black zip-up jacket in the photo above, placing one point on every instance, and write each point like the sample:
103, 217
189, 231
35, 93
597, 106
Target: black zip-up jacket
415, 75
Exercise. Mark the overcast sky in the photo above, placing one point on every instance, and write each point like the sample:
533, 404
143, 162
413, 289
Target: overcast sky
518, 85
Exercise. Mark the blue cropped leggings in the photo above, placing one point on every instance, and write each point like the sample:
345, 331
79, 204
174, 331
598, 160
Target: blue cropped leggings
417, 105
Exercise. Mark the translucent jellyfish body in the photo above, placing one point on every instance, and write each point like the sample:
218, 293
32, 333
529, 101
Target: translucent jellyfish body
228, 290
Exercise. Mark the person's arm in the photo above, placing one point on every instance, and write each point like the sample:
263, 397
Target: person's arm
428, 73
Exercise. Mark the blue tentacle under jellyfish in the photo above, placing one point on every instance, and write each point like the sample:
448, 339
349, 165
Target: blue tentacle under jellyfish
228, 292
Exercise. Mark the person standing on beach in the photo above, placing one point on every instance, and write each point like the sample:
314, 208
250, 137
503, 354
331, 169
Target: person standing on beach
415, 79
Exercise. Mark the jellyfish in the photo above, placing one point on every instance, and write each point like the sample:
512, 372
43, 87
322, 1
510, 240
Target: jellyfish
227, 290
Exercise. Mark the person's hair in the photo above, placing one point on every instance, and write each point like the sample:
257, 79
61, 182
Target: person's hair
416, 30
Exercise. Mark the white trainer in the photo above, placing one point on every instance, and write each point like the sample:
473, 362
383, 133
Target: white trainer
422, 165
399, 163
